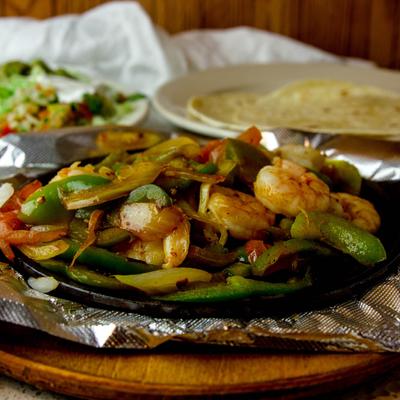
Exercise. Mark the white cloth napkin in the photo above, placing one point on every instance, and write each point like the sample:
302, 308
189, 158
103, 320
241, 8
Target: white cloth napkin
118, 42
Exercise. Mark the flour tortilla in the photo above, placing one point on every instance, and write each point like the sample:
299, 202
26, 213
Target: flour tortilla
326, 106
219, 110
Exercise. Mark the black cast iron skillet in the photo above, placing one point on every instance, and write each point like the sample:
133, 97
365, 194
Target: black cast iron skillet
335, 280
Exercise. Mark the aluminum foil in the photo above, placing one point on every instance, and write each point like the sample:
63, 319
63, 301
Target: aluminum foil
371, 323
33, 154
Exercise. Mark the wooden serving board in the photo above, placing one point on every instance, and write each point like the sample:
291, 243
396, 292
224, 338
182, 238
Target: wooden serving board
180, 371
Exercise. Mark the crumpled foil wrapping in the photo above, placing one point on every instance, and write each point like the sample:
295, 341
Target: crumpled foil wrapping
370, 323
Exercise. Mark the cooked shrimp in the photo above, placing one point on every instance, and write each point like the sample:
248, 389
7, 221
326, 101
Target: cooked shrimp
163, 233
287, 188
149, 222
176, 245
169, 252
355, 209
151, 252
243, 215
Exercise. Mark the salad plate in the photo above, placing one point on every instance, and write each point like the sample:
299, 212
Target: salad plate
36, 98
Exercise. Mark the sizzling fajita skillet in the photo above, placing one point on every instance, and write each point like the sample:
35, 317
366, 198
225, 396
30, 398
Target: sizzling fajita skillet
280, 260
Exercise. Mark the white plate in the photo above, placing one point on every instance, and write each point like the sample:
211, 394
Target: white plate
137, 115
171, 98
70, 91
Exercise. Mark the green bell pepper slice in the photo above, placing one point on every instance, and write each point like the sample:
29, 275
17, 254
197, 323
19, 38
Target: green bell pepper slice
236, 288
208, 258
44, 206
280, 250
238, 269
105, 260
83, 275
340, 234
250, 159
344, 176
78, 231
111, 236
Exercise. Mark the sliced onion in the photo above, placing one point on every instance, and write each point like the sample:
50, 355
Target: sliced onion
204, 197
165, 280
40, 252
142, 173
49, 228
94, 222
192, 175
181, 145
44, 284
128, 140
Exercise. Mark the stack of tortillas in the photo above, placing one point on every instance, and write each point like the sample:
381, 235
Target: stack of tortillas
325, 106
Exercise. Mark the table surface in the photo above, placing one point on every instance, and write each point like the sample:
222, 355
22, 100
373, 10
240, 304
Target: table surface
382, 388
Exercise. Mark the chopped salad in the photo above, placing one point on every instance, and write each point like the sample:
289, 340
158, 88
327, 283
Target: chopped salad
35, 97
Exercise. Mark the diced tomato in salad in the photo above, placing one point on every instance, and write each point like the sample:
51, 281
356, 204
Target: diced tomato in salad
5, 130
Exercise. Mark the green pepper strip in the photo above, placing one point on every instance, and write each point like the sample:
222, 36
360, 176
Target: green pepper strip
341, 234
250, 159
44, 205
283, 249
209, 259
238, 269
111, 159
169, 183
344, 176
105, 260
112, 236
237, 288
78, 231
209, 168
84, 275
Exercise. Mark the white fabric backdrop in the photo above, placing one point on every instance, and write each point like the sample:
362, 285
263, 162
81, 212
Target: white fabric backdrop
118, 42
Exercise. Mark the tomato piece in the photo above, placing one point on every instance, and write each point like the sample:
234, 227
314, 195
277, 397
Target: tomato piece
254, 248
28, 189
251, 136
83, 111
5, 130
15, 201
12, 232
10, 219
7, 250
205, 151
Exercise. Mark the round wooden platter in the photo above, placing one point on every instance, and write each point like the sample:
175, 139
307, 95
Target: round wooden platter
178, 371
